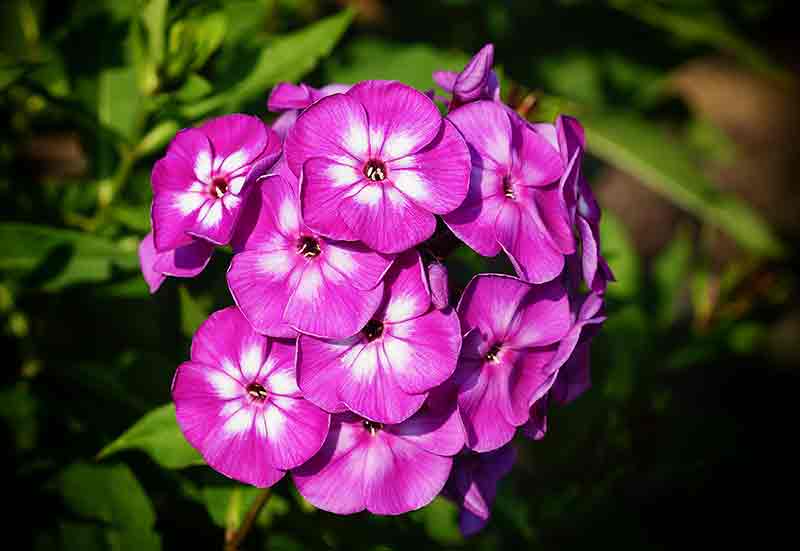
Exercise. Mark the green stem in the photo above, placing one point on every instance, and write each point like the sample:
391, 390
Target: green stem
234, 540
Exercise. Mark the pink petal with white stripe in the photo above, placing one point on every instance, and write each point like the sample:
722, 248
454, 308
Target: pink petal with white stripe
325, 183
400, 477
490, 303
335, 127
401, 119
325, 303
407, 292
423, 351
333, 480
486, 127
473, 222
436, 177
520, 232
385, 219
238, 140
543, 316
369, 388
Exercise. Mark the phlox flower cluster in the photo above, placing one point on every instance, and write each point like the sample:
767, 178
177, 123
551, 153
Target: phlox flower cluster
346, 360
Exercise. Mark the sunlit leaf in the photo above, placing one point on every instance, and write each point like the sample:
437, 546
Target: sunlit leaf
193, 313
158, 435
636, 146
621, 256
371, 58
287, 58
53, 258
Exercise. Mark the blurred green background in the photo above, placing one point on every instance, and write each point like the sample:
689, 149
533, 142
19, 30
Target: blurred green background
692, 115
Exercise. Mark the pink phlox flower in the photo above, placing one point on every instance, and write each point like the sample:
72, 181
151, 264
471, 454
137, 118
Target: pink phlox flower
377, 164
514, 201
387, 469
385, 372
584, 211
570, 371
512, 332
200, 185
238, 404
287, 278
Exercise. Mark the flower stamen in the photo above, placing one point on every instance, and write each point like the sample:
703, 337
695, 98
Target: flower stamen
372, 427
257, 392
508, 188
218, 187
375, 170
308, 247
372, 330
493, 355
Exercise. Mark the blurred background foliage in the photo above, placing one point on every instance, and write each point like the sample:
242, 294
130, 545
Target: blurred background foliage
692, 116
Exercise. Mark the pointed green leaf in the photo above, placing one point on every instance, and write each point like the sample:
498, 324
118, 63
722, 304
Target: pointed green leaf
158, 435
53, 258
640, 148
111, 495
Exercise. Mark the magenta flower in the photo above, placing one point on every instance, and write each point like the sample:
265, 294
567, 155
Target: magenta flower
536, 426
477, 81
573, 377
473, 485
514, 200
200, 185
384, 372
582, 205
289, 99
387, 469
184, 261
569, 368
511, 331
286, 277
377, 164
238, 403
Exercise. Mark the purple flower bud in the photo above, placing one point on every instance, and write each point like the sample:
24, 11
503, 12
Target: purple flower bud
440, 288
477, 81
473, 485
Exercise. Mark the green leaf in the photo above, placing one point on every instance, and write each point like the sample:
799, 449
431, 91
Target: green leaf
111, 495
157, 138
670, 274
118, 100
158, 435
209, 32
286, 59
289, 57
702, 27
154, 17
193, 313
621, 256
642, 149
53, 258
440, 519
194, 88
134, 217
372, 58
